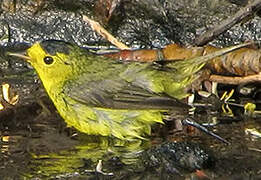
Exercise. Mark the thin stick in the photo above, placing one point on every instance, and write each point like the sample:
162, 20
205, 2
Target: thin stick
235, 80
245, 12
104, 33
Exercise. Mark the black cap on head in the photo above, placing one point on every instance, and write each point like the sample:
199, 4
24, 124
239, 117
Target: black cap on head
55, 46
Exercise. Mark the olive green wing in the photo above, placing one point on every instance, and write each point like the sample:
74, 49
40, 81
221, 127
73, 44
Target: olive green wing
118, 94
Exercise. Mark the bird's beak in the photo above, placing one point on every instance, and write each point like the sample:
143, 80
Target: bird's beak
21, 55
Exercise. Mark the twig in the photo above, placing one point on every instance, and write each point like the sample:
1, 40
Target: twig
99, 169
235, 80
254, 149
228, 23
104, 33
190, 121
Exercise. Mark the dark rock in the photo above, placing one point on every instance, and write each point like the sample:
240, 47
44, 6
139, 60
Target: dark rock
175, 156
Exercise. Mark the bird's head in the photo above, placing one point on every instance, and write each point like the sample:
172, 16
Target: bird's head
51, 59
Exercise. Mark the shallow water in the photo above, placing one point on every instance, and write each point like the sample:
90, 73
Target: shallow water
41, 147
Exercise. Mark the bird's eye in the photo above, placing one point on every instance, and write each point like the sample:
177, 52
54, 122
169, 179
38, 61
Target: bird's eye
48, 60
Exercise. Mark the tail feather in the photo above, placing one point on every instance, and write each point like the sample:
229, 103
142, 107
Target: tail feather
189, 67
205, 58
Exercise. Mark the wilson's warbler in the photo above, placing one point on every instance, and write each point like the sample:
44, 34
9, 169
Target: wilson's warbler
103, 96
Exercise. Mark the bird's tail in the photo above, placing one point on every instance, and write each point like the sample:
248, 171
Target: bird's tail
191, 66
207, 57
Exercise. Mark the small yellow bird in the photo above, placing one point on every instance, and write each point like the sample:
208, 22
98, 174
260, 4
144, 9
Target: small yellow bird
103, 96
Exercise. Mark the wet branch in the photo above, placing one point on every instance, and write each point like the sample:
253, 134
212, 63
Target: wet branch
245, 12
235, 80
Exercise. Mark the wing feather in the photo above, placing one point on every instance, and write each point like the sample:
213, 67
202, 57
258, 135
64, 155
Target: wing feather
118, 94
